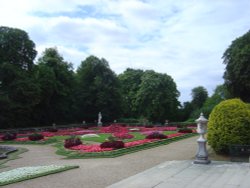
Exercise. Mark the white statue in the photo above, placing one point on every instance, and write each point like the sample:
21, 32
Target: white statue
99, 118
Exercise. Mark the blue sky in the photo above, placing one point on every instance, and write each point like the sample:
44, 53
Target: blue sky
183, 38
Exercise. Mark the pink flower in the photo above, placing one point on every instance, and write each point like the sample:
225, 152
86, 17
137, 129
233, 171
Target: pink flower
90, 148
123, 135
22, 139
175, 135
138, 142
114, 128
47, 134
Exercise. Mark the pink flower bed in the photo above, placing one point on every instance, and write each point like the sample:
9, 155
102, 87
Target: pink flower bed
114, 128
143, 129
97, 148
90, 148
68, 132
175, 135
123, 135
139, 142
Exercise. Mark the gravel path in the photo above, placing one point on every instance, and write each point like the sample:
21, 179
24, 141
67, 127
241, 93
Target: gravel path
97, 173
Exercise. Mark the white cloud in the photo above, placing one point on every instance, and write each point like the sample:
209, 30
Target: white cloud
185, 39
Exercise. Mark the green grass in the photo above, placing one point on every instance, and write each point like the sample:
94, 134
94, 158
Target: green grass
169, 132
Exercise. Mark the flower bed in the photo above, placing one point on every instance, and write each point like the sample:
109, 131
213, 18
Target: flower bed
24, 173
85, 151
97, 148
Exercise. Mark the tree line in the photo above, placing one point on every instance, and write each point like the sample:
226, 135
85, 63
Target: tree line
50, 91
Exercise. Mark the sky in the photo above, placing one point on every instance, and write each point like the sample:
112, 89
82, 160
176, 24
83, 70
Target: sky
185, 39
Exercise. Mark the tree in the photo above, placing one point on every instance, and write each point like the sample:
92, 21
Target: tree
56, 79
199, 96
185, 111
237, 73
16, 48
97, 90
130, 81
157, 97
18, 89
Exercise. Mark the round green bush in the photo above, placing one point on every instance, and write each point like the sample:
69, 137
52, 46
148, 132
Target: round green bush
229, 123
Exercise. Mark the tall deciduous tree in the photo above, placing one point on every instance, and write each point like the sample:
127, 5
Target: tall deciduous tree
56, 79
199, 96
16, 48
97, 90
18, 89
237, 74
220, 94
157, 98
130, 81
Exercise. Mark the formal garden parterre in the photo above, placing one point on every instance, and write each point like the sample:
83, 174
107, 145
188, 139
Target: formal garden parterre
110, 141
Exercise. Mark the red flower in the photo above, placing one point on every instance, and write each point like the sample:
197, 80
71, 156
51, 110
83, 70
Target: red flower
90, 148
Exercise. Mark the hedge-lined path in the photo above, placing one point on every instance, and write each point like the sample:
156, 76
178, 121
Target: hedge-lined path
97, 173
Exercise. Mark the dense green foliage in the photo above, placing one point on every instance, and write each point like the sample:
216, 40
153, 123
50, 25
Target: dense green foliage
18, 91
150, 95
229, 123
199, 96
191, 110
55, 77
97, 90
16, 48
130, 81
237, 74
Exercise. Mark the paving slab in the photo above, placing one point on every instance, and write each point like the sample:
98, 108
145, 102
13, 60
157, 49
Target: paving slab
185, 174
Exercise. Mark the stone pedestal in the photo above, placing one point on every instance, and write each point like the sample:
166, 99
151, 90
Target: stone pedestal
202, 154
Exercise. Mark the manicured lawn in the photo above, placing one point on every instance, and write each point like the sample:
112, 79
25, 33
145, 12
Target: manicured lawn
169, 132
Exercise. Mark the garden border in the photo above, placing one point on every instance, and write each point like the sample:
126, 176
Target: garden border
71, 154
39, 142
40, 175
12, 156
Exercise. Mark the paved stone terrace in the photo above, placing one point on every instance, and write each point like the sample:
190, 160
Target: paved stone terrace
185, 174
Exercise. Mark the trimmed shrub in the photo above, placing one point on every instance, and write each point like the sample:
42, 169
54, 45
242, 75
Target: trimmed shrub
9, 136
35, 137
73, 141
185, 130
113, 144
229, 123
156, 135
